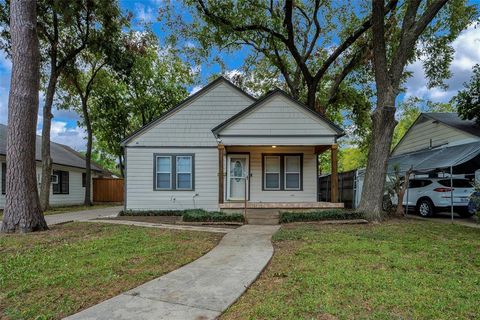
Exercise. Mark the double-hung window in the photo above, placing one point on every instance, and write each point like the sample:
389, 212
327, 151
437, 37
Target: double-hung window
282, 172
183, 173
174, 172
272, 173
61, 183
292, 174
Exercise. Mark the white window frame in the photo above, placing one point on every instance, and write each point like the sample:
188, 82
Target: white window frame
299, 172
177, 172
157, 171
279, 173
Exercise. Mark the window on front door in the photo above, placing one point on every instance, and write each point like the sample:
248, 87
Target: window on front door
282, 172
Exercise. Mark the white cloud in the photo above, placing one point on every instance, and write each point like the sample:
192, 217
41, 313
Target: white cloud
467, 54
61, 132
145, 14
5, 63
196, 89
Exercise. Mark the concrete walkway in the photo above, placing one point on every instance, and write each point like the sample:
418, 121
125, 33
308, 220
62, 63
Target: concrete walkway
83, 215
202, 289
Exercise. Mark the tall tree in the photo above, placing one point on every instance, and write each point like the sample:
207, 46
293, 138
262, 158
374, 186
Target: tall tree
77, 84
143, 81
314, 45
392, 51
64, 30
22, 208
468, 99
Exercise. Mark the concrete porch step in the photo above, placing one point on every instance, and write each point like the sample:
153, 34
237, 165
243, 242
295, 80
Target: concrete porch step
263, 221
262, 216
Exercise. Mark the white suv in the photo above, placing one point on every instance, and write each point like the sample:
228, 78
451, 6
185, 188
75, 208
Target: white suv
430, 195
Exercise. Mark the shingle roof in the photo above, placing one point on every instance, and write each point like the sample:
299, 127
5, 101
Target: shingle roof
452, 119
61, 154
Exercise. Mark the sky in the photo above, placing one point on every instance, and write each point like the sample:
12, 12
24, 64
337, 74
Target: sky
65, 129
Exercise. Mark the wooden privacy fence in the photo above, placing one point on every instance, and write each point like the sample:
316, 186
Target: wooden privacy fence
346, 188
107, 190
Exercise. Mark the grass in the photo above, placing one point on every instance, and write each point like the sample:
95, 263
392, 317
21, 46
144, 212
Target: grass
395, 270
49, 275
65, 209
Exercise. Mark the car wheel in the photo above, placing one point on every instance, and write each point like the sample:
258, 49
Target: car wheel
425, 208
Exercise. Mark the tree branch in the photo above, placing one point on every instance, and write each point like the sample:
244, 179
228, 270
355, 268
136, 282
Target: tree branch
352, 38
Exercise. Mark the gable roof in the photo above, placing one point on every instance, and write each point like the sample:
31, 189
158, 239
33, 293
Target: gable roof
182, 104
267, 96
61, 154
451, 119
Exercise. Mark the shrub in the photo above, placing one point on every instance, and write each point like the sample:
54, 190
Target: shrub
199, 215
151, 213
286, 217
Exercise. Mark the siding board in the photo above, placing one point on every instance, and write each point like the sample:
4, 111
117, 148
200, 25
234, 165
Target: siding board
418, 137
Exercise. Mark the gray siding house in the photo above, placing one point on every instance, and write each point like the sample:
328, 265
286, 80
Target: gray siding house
68, 174
222, 147
437, 129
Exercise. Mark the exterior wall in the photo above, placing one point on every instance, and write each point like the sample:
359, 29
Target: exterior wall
192, 124
76, 193
418, 137
140, 194
278, 116
309, 192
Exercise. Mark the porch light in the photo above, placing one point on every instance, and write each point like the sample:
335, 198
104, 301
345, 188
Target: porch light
274, 147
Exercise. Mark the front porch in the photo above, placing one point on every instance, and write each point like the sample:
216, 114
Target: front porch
268, 156
280, 178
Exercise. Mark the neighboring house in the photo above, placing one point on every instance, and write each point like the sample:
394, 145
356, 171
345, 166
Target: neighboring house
68, 175
437, 129
434, 144
221, 145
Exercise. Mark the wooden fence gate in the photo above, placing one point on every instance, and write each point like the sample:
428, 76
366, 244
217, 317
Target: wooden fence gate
107, 190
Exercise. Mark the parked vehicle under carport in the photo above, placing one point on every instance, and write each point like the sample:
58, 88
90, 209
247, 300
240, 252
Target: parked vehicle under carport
444, 164
428, 196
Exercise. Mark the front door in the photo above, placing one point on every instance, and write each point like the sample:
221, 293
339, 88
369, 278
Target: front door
237, 176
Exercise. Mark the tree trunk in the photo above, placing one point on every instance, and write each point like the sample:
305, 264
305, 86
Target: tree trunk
22, 207
47, 122
88, 154
399, 211
120, 163
383, 121
311, 95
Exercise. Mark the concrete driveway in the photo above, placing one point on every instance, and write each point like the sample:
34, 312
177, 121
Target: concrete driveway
202, 289
445, 217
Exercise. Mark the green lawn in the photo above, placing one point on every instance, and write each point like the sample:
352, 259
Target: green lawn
49, 275
395, 270
64, 209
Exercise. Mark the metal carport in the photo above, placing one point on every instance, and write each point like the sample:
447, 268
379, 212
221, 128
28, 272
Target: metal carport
458, 159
